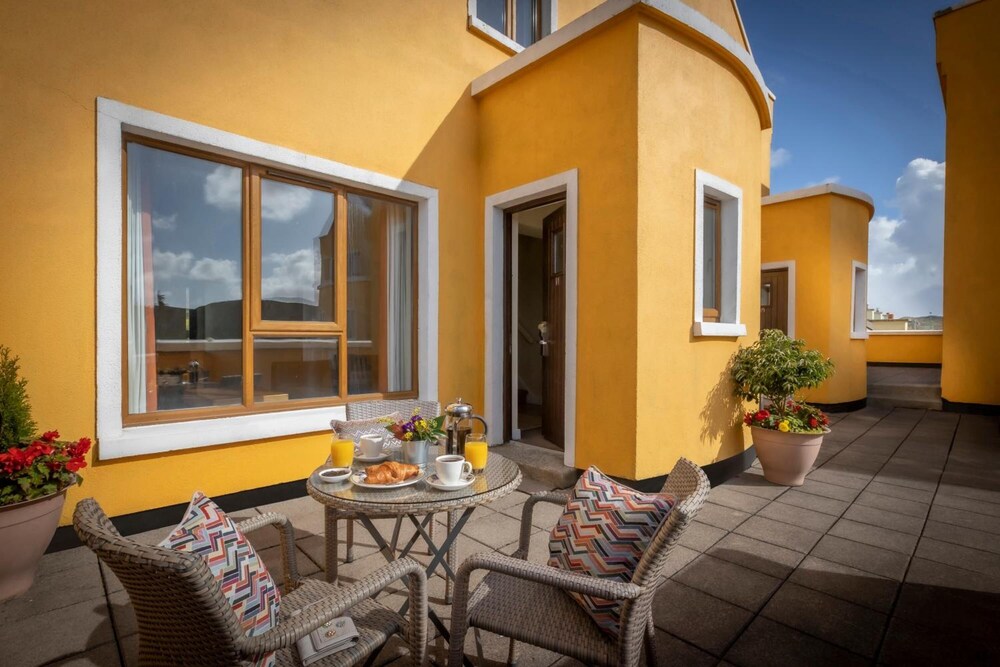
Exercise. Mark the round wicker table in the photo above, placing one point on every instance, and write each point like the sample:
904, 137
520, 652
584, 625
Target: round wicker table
343, 500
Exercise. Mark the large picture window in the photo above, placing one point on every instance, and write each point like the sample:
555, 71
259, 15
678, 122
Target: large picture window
249, 289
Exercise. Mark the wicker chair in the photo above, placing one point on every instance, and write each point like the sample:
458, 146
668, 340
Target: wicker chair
184, 618
528, 602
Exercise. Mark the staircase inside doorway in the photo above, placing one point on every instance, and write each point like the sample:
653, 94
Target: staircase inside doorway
904, 387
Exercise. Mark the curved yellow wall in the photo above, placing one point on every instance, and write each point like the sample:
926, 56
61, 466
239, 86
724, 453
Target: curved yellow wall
367, 84
823, 234
970, 68
909, 347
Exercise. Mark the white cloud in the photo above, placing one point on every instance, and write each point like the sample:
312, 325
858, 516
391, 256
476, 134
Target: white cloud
175, 272
168, 265
280, 202
905, 253
165, 222
224, 188
780, 157
216, 270
290, 276
828, 179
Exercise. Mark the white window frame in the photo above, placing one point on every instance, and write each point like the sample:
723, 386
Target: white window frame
730, 199
116, 440
484, 29
790, 265
859, 307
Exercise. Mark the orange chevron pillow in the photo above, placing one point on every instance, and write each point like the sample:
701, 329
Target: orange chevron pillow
603, 532
209, 532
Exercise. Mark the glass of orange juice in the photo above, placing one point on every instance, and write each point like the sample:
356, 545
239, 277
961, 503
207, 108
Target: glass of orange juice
476, 451
341, 452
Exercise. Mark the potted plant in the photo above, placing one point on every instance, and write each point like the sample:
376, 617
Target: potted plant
787, 433
417, 434
35, 472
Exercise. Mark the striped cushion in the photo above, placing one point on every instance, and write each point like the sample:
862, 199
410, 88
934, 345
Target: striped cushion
603, 532
245, 581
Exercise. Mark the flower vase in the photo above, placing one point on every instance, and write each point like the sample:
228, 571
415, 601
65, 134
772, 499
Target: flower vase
26, 529
786, 457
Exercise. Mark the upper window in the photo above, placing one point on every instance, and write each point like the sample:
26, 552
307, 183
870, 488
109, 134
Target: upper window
718, 240
859, 300
517, 23
249, 289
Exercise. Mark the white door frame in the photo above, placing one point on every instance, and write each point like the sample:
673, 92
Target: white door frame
790, 265
496, 204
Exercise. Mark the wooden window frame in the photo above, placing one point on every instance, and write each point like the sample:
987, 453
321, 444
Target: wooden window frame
253, 326
712, 314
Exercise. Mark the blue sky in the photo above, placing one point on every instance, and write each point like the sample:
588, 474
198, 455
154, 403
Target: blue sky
858, 102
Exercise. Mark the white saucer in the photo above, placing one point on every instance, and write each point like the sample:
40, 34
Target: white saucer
332, 479
435, 482
358, 479
372, 459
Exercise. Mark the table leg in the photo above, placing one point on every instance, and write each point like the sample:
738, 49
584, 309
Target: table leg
450, 560
349, 556
330, 516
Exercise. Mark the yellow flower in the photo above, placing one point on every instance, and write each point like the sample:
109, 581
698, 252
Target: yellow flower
409, 436
423, 424
783, 426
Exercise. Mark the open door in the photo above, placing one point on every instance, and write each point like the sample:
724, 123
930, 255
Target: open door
774, 299
552, 333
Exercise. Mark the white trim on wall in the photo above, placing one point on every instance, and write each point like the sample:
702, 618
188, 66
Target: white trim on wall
790, 265
730, 197
114, 439
489, 32
496, 204
859, 302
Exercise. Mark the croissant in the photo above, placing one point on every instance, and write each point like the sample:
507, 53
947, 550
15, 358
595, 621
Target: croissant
390, 472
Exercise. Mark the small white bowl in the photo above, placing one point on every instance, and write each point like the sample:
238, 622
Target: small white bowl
333, 475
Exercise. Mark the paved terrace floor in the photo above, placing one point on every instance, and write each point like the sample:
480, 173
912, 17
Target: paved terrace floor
889, 553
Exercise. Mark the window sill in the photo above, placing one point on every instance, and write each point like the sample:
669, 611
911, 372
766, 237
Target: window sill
859, 336
159, 438
494, 36
721, 329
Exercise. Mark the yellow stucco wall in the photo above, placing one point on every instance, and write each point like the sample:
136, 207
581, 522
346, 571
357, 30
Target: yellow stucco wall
910, 347
679, 375
968, 64
823, 235
367, 84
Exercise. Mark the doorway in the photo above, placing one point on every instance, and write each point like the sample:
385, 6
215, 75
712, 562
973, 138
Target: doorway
774, 299
535, 306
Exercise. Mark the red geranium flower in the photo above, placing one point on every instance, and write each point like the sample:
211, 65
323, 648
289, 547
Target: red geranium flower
49, 436
75, 464
813, 422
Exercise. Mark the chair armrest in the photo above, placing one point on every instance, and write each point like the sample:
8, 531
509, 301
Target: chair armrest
554, 497
340, 600
607, 589
286, 534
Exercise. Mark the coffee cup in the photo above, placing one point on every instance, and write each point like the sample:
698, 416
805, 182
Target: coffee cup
370, 445
451, 468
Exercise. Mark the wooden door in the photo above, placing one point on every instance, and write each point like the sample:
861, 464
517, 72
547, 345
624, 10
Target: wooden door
553, 344
774, 299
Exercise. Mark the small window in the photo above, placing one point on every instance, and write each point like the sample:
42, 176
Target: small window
514, 23
718, 230
859, 299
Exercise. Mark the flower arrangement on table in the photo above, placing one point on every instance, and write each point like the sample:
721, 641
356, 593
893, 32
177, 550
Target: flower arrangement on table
417, 428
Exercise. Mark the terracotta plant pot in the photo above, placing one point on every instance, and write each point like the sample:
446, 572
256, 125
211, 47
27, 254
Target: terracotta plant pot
786, 457
25, 532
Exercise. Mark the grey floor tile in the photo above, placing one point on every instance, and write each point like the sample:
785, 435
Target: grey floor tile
545, 515
846, 583
904, 492
964, 518
949, 611
65, 560
723, 495
733, 583
769, 644
957, 555
798, 516
898, 505
496, 530
968, 537
72, 630
721, 516
700, 536
968, 504
672, 651
875, 536
53, 590
848, 625
679, 557
907, 643
530, 485
876, 560
756, 555
825, 490
698, 618
874, 516
782, 534
842, 477
932, 573
753, 483
122, 614
104, 655
809, 501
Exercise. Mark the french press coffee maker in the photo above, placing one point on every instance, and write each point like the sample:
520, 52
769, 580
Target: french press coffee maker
458, 426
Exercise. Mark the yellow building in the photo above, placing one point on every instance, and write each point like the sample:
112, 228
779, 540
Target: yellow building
814, 280
211, 247
969, 69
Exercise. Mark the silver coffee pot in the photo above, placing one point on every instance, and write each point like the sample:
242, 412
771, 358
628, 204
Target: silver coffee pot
458, 425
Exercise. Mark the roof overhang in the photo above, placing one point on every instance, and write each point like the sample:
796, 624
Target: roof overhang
822, 189
674, 13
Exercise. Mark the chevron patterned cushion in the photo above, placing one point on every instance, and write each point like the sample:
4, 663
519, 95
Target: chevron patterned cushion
603, 532
207, 530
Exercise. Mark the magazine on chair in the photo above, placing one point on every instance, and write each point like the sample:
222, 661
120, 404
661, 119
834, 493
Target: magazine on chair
334, 636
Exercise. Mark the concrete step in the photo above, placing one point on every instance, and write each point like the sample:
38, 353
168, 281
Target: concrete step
895, 402
538, 463
925, 396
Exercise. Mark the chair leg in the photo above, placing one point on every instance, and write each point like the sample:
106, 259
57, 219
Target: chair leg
651, 658
450, 557
331, 545
349, 556
394, 544
512, 654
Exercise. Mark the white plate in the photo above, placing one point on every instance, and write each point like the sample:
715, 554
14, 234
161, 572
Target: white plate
332, 479
358, 479
372, 459
434, 481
